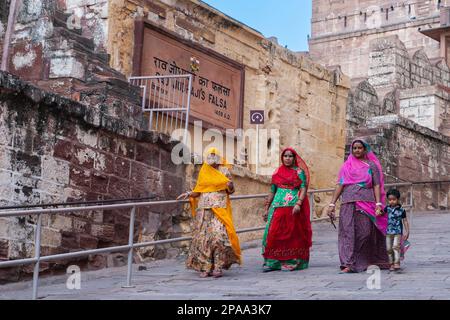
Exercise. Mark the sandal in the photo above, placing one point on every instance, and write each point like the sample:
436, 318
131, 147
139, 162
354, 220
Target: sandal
268, 269
286, 267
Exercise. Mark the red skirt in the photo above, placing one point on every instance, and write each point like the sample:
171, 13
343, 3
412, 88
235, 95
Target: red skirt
289, 236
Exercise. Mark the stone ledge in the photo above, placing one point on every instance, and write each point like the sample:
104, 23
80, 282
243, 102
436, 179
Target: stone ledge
436, 90
408, 124
357, 33
12, 85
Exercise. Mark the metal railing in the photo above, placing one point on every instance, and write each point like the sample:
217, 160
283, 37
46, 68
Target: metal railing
37, 259
167, 98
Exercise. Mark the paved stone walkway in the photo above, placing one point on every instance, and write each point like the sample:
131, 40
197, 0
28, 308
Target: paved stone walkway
426, 275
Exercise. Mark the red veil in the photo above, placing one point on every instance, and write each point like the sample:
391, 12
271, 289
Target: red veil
288, 177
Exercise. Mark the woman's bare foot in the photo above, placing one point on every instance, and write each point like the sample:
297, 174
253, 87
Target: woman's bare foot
346, 270
204, 274
217, 273
392, 268
397, 266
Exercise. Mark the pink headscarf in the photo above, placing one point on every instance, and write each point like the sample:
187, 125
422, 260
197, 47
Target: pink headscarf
355, 171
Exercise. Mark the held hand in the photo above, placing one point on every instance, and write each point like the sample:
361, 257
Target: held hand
266, 215
406, 236
331, 213
379, 211
296, 209
230, 185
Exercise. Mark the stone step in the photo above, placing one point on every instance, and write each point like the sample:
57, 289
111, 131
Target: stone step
74, 38
115, 87
365, 132
100, 72
61, 45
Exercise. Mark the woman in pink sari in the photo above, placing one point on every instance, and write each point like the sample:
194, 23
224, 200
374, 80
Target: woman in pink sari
362, 225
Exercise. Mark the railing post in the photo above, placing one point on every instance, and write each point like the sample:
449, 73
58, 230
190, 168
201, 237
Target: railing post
311, 206
130, 251
188, 108
37, 255
411, 203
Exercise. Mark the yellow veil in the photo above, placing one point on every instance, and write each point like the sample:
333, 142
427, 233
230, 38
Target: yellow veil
212, 180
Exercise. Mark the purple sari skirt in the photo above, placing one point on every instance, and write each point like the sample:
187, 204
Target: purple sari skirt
360, 242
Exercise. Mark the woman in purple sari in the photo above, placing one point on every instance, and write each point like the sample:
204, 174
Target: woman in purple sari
362, 225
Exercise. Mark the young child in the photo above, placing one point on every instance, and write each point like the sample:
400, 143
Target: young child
397, 229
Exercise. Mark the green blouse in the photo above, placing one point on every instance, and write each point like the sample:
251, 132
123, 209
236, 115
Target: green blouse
287, 197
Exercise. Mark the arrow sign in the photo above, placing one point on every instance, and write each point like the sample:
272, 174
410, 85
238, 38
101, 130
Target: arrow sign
256, 116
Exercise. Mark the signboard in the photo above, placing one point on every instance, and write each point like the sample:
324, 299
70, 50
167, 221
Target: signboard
217, 86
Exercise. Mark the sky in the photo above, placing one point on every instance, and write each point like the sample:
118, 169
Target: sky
288, 20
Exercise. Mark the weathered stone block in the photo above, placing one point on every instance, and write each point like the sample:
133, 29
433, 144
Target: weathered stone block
104, 232
88, 242
63, 149
4, 249
84, 157
99, 183
118, 188
61, 67
80, 177
50, 237
148, 155
27, 60
70, 240
61, 222
81, 226
104, 162
122, 168
55, 170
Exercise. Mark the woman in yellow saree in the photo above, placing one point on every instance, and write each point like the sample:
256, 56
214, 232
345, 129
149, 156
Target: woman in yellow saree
215, 245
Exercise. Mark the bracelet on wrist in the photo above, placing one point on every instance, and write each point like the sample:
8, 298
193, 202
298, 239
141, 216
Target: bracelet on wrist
379, 204
332, 205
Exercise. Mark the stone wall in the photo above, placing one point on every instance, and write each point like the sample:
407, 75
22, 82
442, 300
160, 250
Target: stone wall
303, 100
408, 151
91, 17
341, 17
57, 150
342, 30
422, 85
53, 149
428, 106
413, 153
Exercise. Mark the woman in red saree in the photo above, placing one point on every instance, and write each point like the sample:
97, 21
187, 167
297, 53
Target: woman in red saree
288, 234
